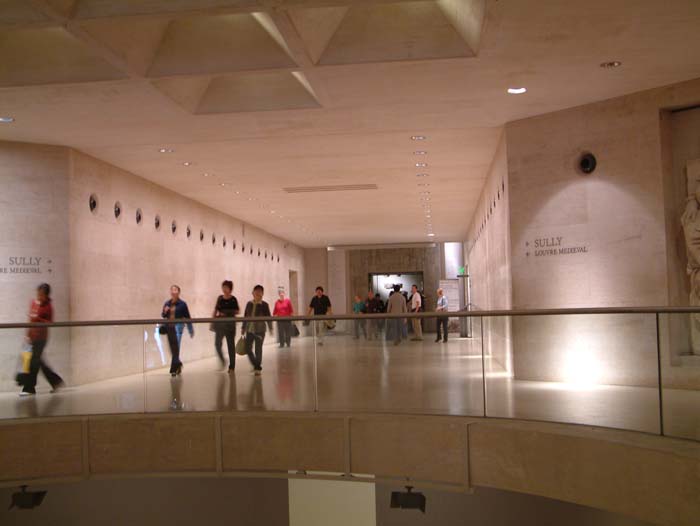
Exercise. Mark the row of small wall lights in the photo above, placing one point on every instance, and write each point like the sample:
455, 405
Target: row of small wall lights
93, 204
491, 209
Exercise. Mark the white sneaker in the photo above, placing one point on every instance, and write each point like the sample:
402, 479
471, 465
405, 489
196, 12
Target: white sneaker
26, 393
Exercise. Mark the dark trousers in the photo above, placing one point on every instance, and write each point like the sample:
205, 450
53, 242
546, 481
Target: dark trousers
284, 329
442, 324
37, 364
230, 335
256, 340
174, 343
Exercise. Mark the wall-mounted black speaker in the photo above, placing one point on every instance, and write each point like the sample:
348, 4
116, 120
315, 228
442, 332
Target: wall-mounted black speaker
587, 163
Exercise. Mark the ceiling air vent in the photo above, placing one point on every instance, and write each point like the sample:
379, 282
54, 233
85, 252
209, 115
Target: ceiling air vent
332, 188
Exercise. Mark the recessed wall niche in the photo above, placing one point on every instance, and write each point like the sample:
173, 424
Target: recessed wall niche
233, 245
213, 239
188, 231
156, 222
251, 251
139, 216
173, 227
201, 235
242, 247
117, 210
223, 242
92, 203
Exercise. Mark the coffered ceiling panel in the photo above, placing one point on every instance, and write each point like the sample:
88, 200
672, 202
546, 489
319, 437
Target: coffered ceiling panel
217, 44
400, 31
256, 92
105, 8
19, 12
49, 56
134, 41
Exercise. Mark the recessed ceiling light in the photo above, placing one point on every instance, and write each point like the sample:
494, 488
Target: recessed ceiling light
165, 150
421, 165
7, 119
418, 137
187, 163
238, 192
206, 174
431, 234
420, 152
222, 184
422, 175
611, 64
517, 91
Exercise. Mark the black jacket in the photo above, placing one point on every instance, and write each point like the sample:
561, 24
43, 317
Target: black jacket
262, 310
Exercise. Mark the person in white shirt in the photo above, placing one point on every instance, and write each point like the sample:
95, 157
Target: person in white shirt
416, 303
442, 305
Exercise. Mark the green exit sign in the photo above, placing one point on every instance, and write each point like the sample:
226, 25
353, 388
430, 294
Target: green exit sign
462, 270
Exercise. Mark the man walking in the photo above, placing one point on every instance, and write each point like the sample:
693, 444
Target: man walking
442, 321
320, 306
397, 305
416, 303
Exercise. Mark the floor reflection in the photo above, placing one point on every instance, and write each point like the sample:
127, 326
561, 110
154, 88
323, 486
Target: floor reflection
415, 377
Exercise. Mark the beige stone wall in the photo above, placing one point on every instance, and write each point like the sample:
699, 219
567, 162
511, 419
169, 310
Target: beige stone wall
103, 268
489, 260
124, 270
33, 212
616, 214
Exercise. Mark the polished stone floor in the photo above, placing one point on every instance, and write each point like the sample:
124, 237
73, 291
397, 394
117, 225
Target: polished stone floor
360, 376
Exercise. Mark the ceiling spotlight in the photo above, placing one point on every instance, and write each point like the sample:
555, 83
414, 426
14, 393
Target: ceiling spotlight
422, 175
431, 234
222, 184
166, 150
611, 64
206, 174
7, 119
418, 137
517, 91
420, 152
238, 192
187, 163
421, 165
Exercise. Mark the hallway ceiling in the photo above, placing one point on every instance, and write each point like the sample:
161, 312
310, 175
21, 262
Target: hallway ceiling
264, 95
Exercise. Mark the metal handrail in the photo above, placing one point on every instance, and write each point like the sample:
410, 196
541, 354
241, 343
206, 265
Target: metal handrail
409, 315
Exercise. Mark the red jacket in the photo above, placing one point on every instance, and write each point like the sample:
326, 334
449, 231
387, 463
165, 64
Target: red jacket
283, 308
39, 313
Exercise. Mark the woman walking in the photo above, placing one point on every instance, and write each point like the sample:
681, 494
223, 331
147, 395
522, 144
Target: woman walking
226, 307
284, 309
176, 309
255, 331
40, 311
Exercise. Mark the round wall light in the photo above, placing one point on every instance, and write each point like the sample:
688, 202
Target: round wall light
517, 91
587, 163
93, 203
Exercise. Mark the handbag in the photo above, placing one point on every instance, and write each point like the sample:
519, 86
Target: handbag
295, 330
24, 368
162, 329
241, 346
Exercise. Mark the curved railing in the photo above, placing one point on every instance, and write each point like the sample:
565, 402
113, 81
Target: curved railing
624, 368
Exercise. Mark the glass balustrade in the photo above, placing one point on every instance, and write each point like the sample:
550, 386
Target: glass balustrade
634, 370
